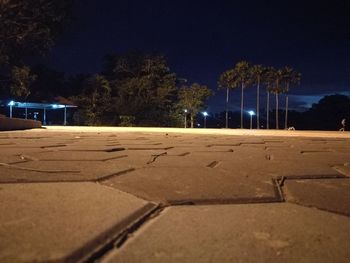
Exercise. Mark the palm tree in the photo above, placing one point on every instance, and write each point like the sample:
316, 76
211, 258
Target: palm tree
243, 73
226, 80
268, 81
257, 74
277, 89
291, 77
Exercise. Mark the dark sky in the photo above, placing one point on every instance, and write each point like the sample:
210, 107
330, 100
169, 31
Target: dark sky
201, 39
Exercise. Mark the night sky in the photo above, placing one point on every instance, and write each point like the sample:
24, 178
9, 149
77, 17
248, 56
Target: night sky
202, 39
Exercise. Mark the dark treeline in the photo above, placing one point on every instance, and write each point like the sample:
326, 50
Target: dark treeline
327, 114
275, 81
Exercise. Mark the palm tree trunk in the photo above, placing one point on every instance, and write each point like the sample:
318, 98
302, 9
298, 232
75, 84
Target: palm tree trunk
191, 120
257, 104
227, 94
277, 126
242, 101
286, 117
268, 111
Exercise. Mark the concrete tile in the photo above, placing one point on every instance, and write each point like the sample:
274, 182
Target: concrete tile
77, 156
61, 222
328, 194
57, 171
196, 185
239, 233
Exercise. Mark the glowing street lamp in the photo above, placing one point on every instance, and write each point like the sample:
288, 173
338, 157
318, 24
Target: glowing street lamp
251, 113
185, 111
11, 103
205, 114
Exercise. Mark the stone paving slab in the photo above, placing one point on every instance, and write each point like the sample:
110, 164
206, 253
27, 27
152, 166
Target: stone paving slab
187, 167
76, 156
343, 169
61, 222
328, 194
193, 185
239, 233
59, 171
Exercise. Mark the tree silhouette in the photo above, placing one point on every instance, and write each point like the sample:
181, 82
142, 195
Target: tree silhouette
93, 101
21, 80
243, 75
257, 78
277, 88
193, 98
226, 80
269, 78
290, 77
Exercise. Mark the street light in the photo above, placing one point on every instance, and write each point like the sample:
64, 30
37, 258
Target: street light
185, 111
251, 113
11, 103
205, 114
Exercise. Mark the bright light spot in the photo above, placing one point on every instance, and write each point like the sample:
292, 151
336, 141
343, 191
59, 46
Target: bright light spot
251, 113
205, 113
198, 125
11, 103
55, 106
185, 110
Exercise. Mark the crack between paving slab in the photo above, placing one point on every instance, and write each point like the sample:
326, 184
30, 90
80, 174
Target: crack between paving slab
213, 164
106, 177
310, 177
149, 149
37, 170
227, 201
53, 146
94, 180
155, 157
92, 252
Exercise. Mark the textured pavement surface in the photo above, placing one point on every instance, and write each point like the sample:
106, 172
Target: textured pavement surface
174, 195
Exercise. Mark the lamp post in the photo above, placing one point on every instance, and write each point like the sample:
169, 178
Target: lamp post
205, 114
11, 103
185, 111
251, 113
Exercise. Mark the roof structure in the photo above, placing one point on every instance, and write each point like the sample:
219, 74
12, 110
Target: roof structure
40, 106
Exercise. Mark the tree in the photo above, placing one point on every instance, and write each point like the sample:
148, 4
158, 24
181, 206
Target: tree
193, 98
328, 112
226, 80
94, 100
268, 78
277, 88
291, 77
257, 72
30, 26
21, 80
239, 76
243, 78
143, 87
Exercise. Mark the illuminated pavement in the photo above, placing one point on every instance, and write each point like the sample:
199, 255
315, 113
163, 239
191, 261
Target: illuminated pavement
73, 194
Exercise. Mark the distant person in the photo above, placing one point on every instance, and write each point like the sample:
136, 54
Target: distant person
343, 123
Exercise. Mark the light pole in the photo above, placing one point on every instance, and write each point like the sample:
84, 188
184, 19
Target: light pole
11, 103
205, 114
251, 113
185, 111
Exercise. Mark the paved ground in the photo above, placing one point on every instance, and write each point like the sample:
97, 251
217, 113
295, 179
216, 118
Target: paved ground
174, 195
